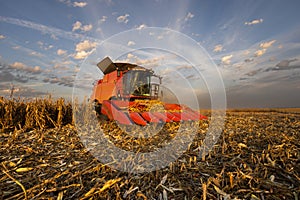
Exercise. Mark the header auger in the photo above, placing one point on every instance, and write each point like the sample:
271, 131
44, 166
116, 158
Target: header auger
130, 94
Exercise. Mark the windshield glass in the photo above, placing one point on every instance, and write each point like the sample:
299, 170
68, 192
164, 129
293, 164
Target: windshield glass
137, 83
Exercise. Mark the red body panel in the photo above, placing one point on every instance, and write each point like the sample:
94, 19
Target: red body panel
107, 87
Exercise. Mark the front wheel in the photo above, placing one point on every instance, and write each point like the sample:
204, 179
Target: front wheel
97, 107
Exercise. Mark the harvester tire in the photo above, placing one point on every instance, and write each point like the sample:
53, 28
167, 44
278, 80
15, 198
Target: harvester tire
97, 107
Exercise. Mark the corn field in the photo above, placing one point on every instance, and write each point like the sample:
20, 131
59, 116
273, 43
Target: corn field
42, 157
35, 114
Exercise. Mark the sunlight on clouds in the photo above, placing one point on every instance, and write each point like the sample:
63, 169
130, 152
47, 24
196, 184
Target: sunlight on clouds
152, 62
188, 16
266, 45
129, 56
218, 48
23, 67
18, 65
227, 59
142, 26
81, 55
36, 69
130, 43
102, 20
34, 53
53, 36
16, 47
183, 20
85, 45
260, 52
123, 19
83, 49
78, 26
256, 21
148, 63
73, 4
79, 4
87, 27
44, 46
246, 52
2, 37
61, 52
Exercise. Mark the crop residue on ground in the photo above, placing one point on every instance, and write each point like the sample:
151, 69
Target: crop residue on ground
42, 157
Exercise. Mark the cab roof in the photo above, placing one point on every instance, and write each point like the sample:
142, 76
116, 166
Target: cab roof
107, 66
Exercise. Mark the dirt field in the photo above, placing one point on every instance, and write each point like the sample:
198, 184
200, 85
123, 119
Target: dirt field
42, 157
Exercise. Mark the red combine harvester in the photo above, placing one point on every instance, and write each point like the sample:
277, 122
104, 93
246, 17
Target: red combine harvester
129, 95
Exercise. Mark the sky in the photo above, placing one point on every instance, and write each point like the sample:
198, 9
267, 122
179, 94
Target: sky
254, 46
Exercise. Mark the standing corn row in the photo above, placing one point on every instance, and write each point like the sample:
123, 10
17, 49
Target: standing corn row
38, 113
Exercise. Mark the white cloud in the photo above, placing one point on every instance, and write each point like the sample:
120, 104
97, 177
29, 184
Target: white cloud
266, 45
79, 4
260, 52
53, 32
160, 37
188, 16
82, 55
130, 43
16, 47
40, 43
103, 19
196, 34
150, 62
76, 26
182, 21
256, 21
34, 53
36, 69
123, 18
44, 46
53, 36
246, 52
83, 49
18, 65
227, 59
25, 68
2, 37
130, 56
74, 4
49, 47
218, 48
86, 28
61, 52
142, 26
86, 45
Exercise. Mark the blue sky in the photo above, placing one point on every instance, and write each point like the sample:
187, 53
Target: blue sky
254, 44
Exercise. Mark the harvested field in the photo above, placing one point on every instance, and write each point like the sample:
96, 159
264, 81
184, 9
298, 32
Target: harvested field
42, 157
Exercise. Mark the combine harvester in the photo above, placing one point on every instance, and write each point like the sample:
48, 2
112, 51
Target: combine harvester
128, 94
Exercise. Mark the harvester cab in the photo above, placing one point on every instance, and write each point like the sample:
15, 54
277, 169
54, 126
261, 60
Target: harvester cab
130, 94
